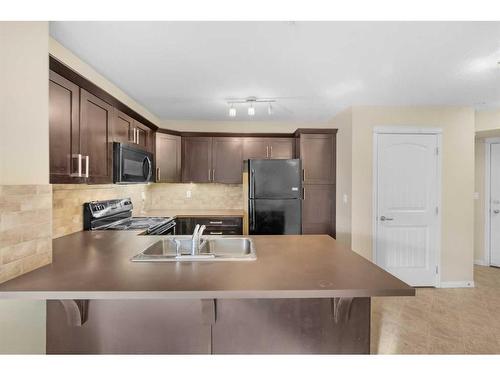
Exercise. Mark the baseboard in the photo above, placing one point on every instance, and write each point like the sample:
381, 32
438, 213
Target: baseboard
456, 284
480, 262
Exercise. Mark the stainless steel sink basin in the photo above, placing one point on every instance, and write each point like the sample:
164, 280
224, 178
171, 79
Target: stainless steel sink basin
212, 248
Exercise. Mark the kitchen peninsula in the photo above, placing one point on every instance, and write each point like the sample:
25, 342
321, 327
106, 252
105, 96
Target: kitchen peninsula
303, 294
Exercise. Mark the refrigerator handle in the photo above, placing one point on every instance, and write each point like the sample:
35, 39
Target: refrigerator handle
252, 179
251, 216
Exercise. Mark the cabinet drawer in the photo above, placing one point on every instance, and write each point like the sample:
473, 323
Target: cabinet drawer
225, 231
219, 222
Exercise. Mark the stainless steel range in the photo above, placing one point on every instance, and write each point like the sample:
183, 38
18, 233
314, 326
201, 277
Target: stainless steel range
116, 214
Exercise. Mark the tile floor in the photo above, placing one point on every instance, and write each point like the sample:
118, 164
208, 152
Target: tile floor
441, 321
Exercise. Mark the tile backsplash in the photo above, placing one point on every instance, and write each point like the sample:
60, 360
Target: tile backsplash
68, 200
202, 196
25, 229
68, 203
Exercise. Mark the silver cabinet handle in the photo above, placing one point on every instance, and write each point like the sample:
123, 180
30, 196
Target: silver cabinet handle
213, 174
267, 152
271, 152
137, 129
215, 222
209, 174
133, 138
87, 162
79, 167
303, 174
158, 178
384, 218
215, 232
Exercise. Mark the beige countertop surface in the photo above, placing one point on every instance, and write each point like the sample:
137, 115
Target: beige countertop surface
191, 212
96, 265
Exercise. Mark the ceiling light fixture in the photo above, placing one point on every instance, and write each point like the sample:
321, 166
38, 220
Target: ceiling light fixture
252, 102
251, 110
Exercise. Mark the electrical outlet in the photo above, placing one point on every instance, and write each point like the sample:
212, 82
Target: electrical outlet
143, 196
188, 193
345, 198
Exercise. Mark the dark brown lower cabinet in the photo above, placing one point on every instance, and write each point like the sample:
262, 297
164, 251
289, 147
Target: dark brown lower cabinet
213, 326
318, 209
95, 131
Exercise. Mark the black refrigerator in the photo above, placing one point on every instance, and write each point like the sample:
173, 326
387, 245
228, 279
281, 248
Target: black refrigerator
275, 196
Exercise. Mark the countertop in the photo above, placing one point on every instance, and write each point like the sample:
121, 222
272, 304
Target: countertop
191, 213
96, 265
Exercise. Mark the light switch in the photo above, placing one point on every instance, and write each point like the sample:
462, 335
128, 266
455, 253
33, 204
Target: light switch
188, 193
345, 198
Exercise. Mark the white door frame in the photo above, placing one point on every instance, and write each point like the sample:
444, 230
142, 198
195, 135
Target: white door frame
487, 198
378, 130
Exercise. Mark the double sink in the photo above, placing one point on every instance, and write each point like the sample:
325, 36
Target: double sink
211, 248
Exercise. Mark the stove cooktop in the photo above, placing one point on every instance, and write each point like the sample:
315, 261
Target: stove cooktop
139, 223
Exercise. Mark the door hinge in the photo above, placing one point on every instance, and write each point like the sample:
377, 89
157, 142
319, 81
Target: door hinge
437, 150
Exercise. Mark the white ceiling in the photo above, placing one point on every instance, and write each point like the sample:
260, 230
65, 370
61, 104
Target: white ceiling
187, 70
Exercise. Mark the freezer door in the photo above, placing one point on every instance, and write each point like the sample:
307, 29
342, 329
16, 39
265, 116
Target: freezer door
280, 179
275, 216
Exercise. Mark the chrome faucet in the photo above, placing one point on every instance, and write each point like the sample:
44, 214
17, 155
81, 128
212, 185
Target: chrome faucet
196, 239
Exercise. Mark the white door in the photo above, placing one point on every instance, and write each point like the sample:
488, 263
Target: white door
407, 226
495, 204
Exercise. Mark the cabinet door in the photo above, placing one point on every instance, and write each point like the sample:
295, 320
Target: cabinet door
95, 124
196, 159
143, 136
318, 209
255, 148
168, 158
281, 148
317, 152
123, 127
64, 130
227, 160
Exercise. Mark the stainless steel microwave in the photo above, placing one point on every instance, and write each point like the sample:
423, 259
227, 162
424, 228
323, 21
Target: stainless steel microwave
131, 165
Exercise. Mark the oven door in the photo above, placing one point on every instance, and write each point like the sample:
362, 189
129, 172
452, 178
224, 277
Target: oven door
131, 165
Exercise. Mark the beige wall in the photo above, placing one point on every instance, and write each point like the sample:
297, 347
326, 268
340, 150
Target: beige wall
24, 90
24, 160
457, 184
343, 122
487, 120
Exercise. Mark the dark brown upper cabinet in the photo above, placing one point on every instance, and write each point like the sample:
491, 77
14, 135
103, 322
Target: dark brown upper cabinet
128, 130
144, 137
64, 131
95, 131
255, 148
268, 148
317, 152
281, 148
123, 127
168, 158
227, 160
196, 159
217, 159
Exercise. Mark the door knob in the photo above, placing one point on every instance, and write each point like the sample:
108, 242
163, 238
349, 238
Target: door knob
384, 218
496, 211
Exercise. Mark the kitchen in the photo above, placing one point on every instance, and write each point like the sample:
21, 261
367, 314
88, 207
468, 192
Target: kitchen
217, 225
